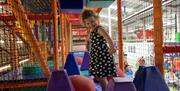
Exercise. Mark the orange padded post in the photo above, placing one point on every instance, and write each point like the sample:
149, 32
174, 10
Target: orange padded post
56, 54
120, 39
158, 34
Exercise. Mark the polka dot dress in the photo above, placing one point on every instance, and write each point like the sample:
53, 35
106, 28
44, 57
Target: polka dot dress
102, 63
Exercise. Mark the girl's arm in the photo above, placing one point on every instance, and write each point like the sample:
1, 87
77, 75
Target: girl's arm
103, 33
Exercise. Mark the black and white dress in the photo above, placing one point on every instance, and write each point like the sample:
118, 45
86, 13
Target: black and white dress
102, 63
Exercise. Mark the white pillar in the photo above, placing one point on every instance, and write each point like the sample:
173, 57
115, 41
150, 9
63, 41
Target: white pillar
109, 21
178, 19
127, 38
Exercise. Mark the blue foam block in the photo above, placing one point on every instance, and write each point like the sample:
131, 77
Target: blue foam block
71, 65
71, 6
149, 79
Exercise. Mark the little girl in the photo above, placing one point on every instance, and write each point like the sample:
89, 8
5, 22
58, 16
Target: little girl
101, 49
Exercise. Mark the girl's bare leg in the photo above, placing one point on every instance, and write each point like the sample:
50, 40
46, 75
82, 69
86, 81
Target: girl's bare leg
103, 81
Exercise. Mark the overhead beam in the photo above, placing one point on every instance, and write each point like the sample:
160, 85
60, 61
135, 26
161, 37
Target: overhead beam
171, 49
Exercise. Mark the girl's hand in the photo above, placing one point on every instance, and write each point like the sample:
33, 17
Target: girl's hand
112, 50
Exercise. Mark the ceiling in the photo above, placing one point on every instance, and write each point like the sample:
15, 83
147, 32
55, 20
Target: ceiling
132, 18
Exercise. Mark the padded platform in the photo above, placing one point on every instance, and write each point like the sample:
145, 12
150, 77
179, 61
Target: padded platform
121, 83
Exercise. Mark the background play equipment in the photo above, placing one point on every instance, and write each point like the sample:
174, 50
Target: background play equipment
43, 31
36, 31
50, 34
31, 71
49, 31
59, 30
178, 37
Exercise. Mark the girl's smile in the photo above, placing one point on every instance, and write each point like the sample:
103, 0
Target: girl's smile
91, 22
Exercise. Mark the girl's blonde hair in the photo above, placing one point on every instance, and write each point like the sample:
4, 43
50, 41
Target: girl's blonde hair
88, 13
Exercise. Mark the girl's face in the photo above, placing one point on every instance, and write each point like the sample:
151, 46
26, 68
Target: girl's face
91, 22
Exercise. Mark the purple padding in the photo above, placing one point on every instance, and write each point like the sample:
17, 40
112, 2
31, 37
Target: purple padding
120, 86
86, 60
59, 81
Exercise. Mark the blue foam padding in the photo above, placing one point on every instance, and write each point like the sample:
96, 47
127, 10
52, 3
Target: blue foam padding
149, 79
139, 79
71, 6
59, 81
71, 65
